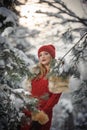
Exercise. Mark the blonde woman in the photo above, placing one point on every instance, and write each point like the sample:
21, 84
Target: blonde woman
40, 89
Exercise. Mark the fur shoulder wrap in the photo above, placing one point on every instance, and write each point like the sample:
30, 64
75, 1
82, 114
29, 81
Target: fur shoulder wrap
58, 84
34, 70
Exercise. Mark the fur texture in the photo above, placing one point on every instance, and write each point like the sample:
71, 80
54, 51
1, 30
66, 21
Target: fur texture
58, 84
41, 117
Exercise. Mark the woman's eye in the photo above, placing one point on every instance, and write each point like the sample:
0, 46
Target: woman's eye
46, 53
40, 55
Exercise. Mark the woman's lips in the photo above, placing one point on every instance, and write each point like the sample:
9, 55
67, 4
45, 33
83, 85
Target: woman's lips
43, 60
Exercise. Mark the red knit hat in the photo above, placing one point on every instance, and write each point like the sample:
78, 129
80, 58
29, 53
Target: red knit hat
48, 48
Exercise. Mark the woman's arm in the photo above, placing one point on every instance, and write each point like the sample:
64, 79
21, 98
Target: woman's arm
51, 102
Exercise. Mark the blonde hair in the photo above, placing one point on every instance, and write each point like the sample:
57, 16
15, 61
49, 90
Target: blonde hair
42, 70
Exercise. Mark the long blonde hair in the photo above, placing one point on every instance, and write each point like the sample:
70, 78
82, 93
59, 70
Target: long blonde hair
41, 70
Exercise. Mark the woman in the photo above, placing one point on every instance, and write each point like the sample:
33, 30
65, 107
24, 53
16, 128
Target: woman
40, 89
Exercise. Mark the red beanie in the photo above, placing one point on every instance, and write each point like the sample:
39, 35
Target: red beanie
48, 48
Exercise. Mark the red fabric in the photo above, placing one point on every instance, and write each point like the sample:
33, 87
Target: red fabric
48, 48
25, 127
46, 98
39, 89
26, 112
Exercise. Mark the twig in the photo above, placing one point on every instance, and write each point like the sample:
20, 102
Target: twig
74, 45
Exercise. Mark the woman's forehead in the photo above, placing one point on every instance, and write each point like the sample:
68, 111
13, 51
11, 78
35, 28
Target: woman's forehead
43, 52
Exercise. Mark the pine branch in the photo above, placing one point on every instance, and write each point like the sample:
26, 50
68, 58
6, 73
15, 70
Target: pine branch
74, 46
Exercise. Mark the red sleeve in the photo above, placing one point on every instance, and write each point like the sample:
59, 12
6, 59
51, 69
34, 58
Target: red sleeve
51, 102
26, 112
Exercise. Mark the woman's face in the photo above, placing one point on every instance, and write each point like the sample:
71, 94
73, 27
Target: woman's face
44, 58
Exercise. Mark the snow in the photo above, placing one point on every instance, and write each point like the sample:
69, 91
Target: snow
74, 83
10, 16
61, 49
83, 69
60, 113
17, 102
20, 90
20, 54
66, 104
7, 31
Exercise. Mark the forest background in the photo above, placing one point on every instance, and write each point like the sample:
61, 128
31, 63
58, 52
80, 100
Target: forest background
25, 25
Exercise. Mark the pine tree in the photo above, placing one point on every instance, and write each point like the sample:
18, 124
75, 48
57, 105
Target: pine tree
13, 69
78, 87
79, 95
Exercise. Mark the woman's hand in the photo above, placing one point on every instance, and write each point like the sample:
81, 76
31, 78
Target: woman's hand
41, 117
26, 112
23, 120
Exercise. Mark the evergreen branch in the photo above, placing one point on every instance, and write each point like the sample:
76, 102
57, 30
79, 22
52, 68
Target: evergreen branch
6, 87
74, 45
30, 104
56, 66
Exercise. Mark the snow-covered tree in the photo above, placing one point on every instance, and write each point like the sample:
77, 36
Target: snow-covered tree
79, 92
14, 70
78, 88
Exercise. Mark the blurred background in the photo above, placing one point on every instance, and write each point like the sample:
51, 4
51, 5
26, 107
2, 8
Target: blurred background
25, 25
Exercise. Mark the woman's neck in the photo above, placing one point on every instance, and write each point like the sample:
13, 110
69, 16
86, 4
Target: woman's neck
47, 68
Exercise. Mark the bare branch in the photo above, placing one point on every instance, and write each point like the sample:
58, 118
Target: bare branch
67, 11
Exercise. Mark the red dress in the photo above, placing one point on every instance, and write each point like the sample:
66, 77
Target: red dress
46, 98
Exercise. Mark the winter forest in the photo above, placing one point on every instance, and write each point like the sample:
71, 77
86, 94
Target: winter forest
25, 25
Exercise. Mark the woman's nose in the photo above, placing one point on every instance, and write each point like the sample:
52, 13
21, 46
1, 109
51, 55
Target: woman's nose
43, 56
